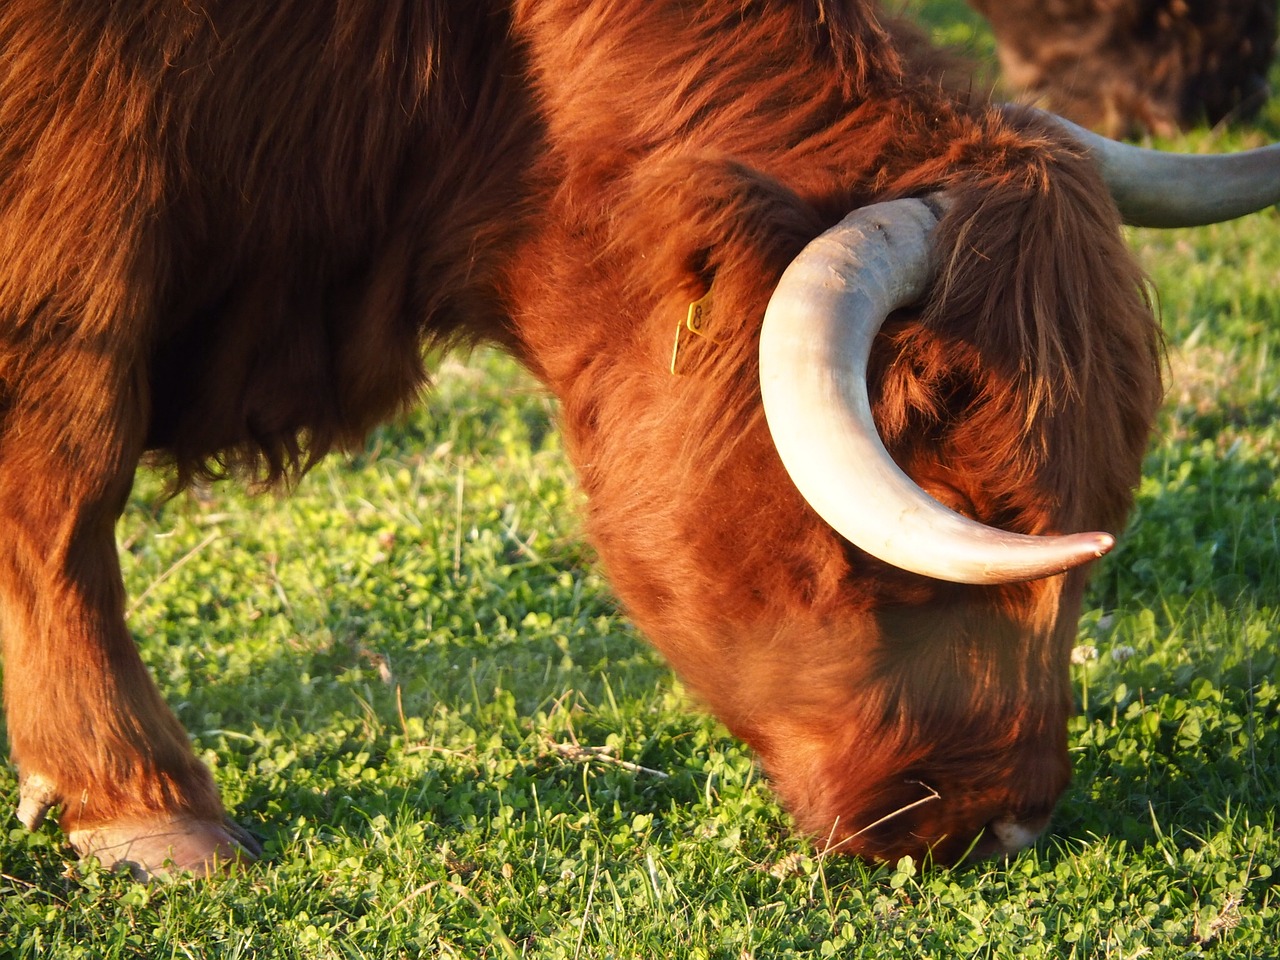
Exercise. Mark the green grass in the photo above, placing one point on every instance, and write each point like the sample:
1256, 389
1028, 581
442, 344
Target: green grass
409, 679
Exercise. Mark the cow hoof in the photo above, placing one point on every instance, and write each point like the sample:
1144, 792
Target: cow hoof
36, 797
161, 848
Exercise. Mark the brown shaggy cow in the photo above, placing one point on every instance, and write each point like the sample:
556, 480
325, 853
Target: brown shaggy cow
1129, 67
228, 231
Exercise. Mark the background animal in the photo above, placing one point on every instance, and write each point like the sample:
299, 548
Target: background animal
1132, 67
211, 255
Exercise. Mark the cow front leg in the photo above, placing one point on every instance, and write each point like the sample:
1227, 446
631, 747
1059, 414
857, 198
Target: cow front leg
88, 730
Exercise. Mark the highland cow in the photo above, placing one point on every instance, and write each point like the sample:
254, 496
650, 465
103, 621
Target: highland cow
230, 233
1132, 67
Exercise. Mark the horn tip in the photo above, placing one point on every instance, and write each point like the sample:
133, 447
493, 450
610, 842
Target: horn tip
1102, 543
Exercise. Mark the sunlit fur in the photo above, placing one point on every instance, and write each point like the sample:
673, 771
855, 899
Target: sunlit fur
1130, 67
228, 231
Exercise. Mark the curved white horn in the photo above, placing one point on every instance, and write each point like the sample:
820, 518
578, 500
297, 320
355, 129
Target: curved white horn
1157, 189
814, 345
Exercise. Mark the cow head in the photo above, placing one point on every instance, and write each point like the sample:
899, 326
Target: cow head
954, 742
888, 626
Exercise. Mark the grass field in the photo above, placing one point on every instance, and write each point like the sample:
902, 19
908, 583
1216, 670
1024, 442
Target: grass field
409, 680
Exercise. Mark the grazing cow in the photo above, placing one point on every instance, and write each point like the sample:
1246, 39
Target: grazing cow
1129, 67
229, 231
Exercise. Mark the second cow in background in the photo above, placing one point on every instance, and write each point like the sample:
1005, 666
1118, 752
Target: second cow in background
1131, 67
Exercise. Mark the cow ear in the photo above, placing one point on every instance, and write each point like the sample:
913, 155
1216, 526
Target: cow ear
691, 224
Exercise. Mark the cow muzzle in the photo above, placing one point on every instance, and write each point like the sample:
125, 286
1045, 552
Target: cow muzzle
1006, 836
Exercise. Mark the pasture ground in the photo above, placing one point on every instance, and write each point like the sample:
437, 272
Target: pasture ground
411, 682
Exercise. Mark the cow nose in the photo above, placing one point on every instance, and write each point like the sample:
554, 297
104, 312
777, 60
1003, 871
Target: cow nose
1012, 835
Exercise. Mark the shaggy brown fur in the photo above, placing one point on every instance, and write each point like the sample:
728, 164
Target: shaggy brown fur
227, 233
1129, 67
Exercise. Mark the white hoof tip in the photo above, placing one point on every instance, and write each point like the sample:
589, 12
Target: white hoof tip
36, 797
166, 848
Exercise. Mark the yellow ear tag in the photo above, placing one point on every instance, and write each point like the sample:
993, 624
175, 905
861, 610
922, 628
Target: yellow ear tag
697, 322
